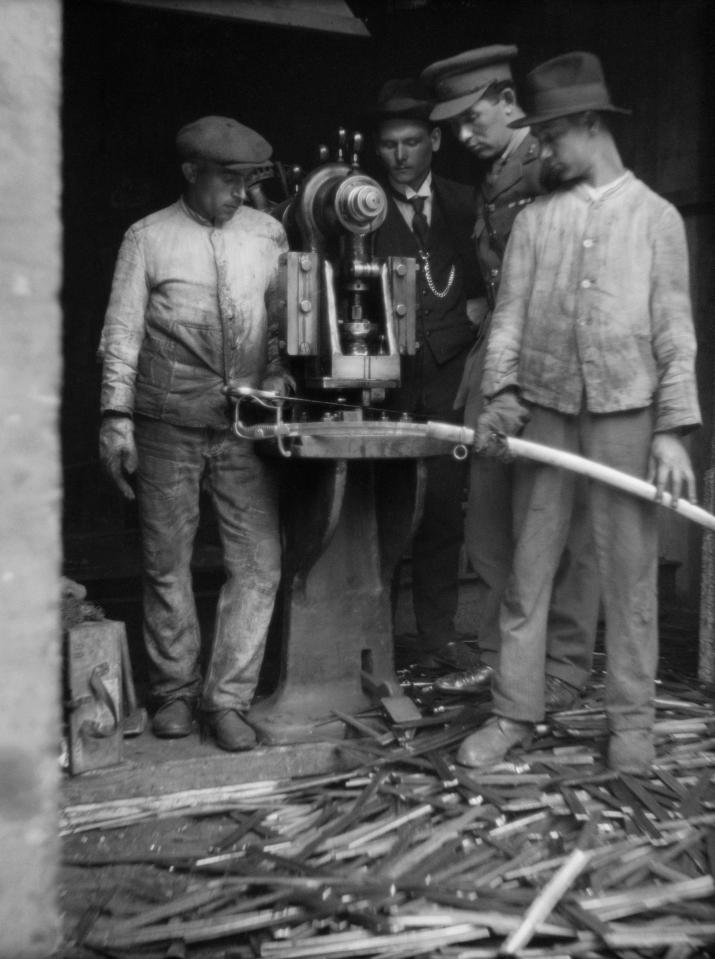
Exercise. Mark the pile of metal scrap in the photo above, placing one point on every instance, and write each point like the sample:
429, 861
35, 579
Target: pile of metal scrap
410, 855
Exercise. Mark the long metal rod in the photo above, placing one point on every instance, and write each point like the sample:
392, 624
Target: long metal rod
463, 437
539, 453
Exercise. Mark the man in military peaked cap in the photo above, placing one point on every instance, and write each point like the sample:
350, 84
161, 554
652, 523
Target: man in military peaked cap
475, 93
592, 335
191, 312
430, 218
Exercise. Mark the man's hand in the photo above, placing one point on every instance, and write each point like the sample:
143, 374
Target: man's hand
281, 383
477, 309
670, 469
506, 414
118, 452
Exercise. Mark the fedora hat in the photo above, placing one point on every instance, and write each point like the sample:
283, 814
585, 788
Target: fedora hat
404, 98
571, 83
460, 81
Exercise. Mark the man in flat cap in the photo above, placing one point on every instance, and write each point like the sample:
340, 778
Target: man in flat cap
190, 313
431, 218
475, 94
593, 334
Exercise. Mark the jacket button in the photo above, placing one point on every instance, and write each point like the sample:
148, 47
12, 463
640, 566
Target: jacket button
585, 284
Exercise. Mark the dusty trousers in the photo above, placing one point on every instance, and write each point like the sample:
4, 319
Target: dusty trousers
574, 602
175, 464
625, 535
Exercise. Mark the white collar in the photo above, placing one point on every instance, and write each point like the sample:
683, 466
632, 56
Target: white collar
425, 189
598, 192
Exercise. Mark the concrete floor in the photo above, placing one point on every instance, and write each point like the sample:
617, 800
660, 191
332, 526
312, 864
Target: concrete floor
150, 765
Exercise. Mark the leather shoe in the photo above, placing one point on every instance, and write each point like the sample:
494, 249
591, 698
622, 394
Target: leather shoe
230, 731
173, 720
456, 655
559, 695
469, 681
491, 743
631, 751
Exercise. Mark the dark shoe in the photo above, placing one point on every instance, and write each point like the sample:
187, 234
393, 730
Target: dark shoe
631, 751
559, 695
230, 731
470, 681
456, 655
491, 743
173, 720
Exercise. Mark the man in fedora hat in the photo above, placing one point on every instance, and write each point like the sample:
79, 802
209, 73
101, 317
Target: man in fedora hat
593, 334
430, 218
191, 312
475, 94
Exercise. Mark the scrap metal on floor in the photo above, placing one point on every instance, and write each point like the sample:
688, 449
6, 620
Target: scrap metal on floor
406, 854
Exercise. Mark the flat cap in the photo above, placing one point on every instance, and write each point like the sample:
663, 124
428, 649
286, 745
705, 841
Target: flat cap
460, 81
224, 141
403, 98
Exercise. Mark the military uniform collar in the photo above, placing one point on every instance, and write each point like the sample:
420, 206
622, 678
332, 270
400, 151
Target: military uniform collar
508, 169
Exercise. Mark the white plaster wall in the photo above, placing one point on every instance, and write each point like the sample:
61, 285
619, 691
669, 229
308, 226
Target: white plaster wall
29, 474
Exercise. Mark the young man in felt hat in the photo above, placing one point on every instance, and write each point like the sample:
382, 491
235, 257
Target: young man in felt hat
593, 334
431, 218
190, 313
475, 94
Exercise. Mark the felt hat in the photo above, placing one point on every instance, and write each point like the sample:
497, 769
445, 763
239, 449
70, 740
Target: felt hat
402, 99
457, 83
223, 141
571, 83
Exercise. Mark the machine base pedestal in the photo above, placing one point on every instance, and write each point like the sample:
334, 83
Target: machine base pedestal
347, 524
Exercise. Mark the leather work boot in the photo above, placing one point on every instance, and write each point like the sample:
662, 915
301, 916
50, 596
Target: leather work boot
230, 731
631, 751
173, 720
559, 695
491, 743
469, 681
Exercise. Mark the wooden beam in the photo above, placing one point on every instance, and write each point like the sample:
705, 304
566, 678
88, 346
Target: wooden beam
327, 16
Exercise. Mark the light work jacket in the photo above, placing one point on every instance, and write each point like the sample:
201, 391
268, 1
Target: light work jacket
191, 310
594, 307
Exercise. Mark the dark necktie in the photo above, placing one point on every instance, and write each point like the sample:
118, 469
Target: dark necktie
420, 226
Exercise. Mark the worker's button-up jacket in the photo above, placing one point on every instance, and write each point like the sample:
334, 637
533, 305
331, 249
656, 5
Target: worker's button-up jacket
191, 309
594, 303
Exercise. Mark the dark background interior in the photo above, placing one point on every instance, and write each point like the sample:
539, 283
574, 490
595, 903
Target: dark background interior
133, 76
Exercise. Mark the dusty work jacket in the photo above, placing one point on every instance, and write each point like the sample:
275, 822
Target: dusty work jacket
594, 306
191, 310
